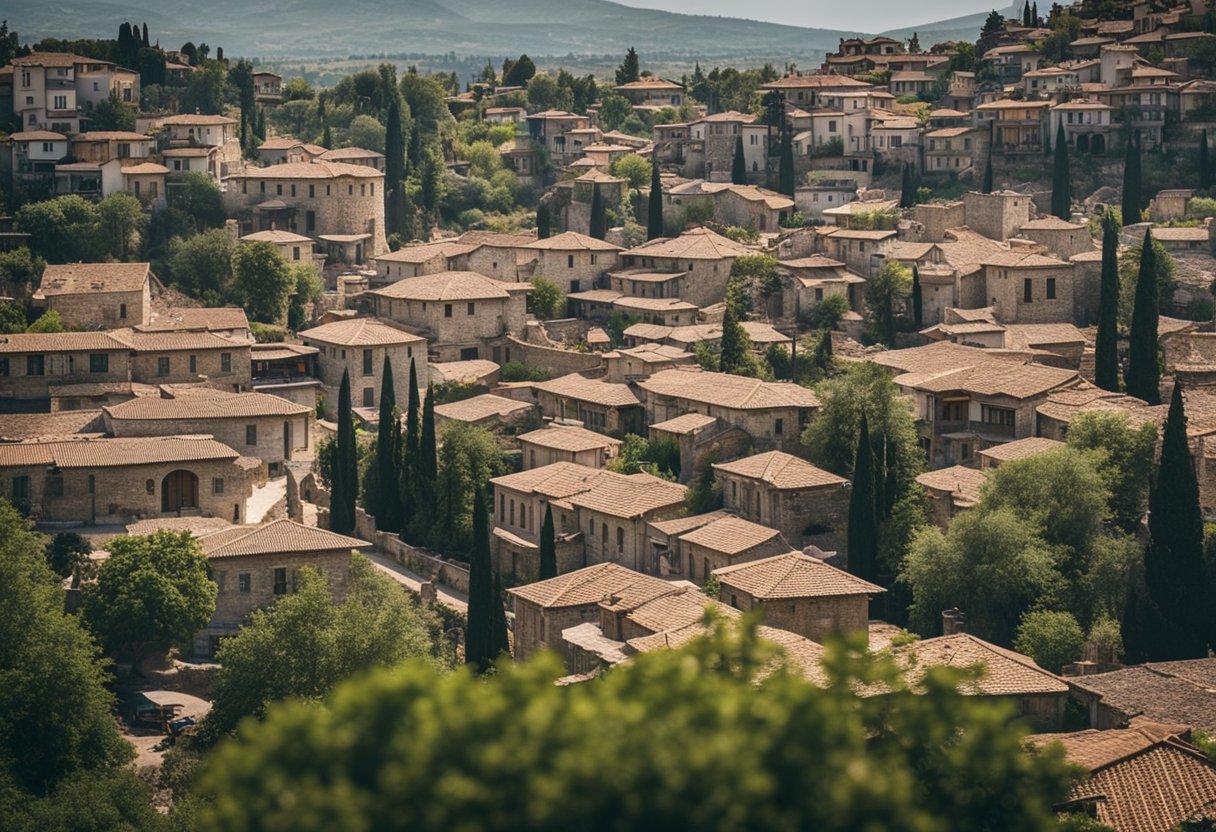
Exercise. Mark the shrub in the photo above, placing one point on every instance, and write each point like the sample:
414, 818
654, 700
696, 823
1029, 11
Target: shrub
519, 371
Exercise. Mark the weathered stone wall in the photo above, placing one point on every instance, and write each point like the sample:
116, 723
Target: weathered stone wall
814, 618
998, 215
936, 218
609, 539
58, 368
1062, 242
700, 561
1005, 291
332, 361
208, 366
588, 267
1086, 290
269, 445
103, 310
557, 361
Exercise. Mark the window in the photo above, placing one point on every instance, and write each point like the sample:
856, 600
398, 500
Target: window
472, 308
502, 508
1051, 288
280, 580
367, 362
1027, 292
569, 261
447, 310
99, 362
54, 486
251, 434
225, 362
243, 582
278, 189
217, 485
162, 366
48, 147
293, 189
369, 397
779, 427
997, 416
193, 364
35, 365
312, 191
4, 367
150, 486
620, 539
61, 102
310, 221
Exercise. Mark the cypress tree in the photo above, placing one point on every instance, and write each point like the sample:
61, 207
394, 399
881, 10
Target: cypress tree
543, 221
548, 547
481, 588
823, 358
1034, 13
144, 39
385, 502
346, 466
599, 215
1143, 377
428, 455
863, 514
907, 188
1173, 562
654, 214
1131, 182
738, 164
500, 642
918, 312
413, 521
1205, 163
412, 427
733, 355
1026, 15
1061, 180
1106, 346
394, 169
785, 168
986, 187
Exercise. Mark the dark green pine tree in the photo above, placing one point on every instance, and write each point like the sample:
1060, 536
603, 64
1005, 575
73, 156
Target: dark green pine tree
428, 454
863, 513
385, 502
1034, 13
1106, 345
1061, 178
1143, 377
1026, 15
786, 183
548, 547
907, 188
346, 466
738, 164
918, 303
413, 521
1173, 562
823, 358
654, 212
500, 642
733, 356
543, 221
599, 215
394, 169
1205, 163
986, 187
1131, 182
481, 588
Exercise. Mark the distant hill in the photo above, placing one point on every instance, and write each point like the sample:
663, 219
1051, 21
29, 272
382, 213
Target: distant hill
966, 28
490, 27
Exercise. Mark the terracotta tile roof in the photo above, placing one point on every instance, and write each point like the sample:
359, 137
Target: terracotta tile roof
568, 438
55, 59
1051, 224
681, 425
592, 390
650, 84
211, 318
144, 169
37, 136
654, 353
649, 332
655, 304
485, 406
196, 120
731, 535
463, 371
275, 236
793, 575
340, 153
1092, 749
448, 286
111, 136
360, 332
1028, 336
674, 611
1181, 235
315, 169
591, 585
279, 537
696, 244
20, 427
680, 525
204, 403
730, 391
1006, 673
92, 278
781, 470
1171, 692
571, 241
425, 252
1021, 448
109, 453
963, 483
1021, 260
176, 340
557, 481
815, 82
992, 378
26, 342
802, 655
630, 496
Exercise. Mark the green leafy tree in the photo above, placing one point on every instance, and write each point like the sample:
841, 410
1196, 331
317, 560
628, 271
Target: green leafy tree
48, 321
548, 299
367, 132
1143, 377
615, 110
263, 281
153, 592
622, 753
630, 69
1126, 460
736, 346
829, 312
738, 164
62, 230
204, 93
599, 216
19, 268
548, 547
1165, 268
1052, 639
306, 644
885, 294
519, 72
345, 476
12, 317
468, 456
120, 222
394, 169
1132, 198
863, 510
632, 168
654, 214
478, 649
198, 195
66, 552
1106, 348
201, 265
112, 113
1061, 178
307, 286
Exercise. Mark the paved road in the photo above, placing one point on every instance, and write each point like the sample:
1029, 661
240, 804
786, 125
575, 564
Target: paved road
448, 597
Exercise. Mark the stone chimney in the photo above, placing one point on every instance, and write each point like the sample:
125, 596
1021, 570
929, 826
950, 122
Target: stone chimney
954, 622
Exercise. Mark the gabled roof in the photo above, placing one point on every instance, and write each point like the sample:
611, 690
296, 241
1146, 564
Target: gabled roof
1006, 673
731, 535
23, 342
695, 244
477, 408
962, 483
1021, 449
279, 537
815, 82
448, 286
557, 481
275, 236
360, 332
571, 241
590, 585
93, 278
20, 427
781, 470
1166, 691
113, 453
793, 575
725, 390
203, 403
593, 390
316, 169
635, 495
196, 120
210, 318
568, 438
426, 251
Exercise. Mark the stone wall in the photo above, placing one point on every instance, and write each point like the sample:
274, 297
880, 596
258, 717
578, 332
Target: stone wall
59, 368
936, 218
814, 618
269, 445
208, 366
1005, 290
558, 362
998, 215
103, 310
587, 268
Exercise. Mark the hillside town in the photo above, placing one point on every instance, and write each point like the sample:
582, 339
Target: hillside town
541, 436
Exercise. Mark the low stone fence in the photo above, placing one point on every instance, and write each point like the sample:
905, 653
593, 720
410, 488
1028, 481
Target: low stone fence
558, 362
428, 565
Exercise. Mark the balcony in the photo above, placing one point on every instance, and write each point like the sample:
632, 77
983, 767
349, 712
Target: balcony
993, 429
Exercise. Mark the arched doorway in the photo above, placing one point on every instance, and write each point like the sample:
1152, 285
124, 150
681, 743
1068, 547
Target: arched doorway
1083, 144
178, 490
1097, 145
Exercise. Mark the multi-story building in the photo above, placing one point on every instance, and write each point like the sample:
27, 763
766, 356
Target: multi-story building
358, 348
97, 295
57, 90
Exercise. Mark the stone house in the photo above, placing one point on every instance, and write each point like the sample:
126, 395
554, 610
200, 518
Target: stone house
214, 138
810, 91
573, 261
228, 321
254, 566
664, 312
1183, 239
744, 206
32, 363
814, 278
721, 542
358, 347
464, 315
267, 427
355, 156
145, 181
861, 250
117, 480
339, 205
1088, 125
566, 443
1061, 238
951, 150
808, 505
633, 363
1018, 127
951, 491
504, 115
279, 150
525, 159
1024, 287
600, 405
614, 513
652, 93
34, 156
417, 260
800, 594
191, 159
267, 88
103, 145
183, 357
710, 151
97, 295
773, 414
488, 411
699, 260
1017, 449
552, 130
544, 609
295, 248
498, 256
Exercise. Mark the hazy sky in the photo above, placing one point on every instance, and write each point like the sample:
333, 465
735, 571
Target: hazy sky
849, 15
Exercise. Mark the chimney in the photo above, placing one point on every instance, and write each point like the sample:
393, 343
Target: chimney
954, 622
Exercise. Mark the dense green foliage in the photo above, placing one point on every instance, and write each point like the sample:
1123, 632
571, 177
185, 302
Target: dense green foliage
1143, 376
1052, 639
886, 294
863, 510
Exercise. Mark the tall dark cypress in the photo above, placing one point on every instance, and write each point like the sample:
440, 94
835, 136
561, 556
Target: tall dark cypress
654, 213
1131, 181
385, 502
863, 514
548, 547
413, 522
918, 311
599, 215
1143, 375
738, 164
412, 425
986, 186
1205, 163
786, 183
500, 642
346, 466
1106, 345
907, 188
1061, 178
481, 588
1026, 15
428, 455
394, 169
543, 221
144, 39
1173, 562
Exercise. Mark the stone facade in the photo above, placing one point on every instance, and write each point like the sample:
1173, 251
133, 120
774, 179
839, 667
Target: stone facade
364, 364
998, 215
1030, 290
814, 617
199, 357
805, 516
30, 364
272, 439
